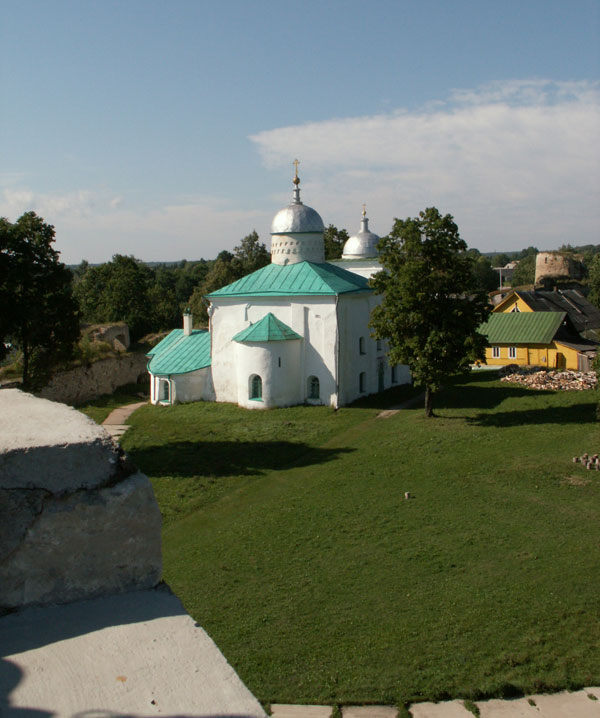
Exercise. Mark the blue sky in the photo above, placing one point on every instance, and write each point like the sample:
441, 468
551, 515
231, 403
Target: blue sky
167, 130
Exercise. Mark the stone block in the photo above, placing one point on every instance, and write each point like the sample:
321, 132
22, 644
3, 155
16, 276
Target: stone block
89, 543
50, 446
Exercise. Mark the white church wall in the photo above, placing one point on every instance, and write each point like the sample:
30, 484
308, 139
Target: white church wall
278, 366
361, 354
314, 319
192, 386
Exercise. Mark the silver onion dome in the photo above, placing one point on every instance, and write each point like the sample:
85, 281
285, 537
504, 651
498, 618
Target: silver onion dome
362, 245
297, 217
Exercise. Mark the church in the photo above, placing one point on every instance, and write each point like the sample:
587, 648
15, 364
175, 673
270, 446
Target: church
294, 332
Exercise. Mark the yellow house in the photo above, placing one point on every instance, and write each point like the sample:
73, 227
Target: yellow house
544, 339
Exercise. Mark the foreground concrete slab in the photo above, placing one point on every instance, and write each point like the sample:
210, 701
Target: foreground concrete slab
369, 712
284, 710
559, 705
137, 654
448, 709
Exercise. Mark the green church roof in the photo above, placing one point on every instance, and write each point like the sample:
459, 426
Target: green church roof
522, 327
300, 279
180, 354
268, 329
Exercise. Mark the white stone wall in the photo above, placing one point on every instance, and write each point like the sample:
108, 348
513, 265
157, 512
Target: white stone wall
314, 319
354, 312
278, 364
192, 386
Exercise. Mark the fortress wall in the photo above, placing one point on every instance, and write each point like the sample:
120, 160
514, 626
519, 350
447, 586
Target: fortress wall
83, 383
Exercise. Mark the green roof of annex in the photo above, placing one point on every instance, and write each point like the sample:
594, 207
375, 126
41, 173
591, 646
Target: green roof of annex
300, 279
179, 353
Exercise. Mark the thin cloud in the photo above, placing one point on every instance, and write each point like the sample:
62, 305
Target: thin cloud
517, 163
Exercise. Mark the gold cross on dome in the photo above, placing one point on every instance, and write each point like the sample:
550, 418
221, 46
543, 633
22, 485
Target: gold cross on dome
296, 163
296, 179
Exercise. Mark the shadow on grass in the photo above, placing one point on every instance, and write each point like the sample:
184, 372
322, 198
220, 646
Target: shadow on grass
228, 458
467, 396
578, 414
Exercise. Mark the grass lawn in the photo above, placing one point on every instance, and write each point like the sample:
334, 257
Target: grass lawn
288, 538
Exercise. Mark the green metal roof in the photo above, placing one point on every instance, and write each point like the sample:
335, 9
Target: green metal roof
522, 327
300, 279
180, 354
268, 329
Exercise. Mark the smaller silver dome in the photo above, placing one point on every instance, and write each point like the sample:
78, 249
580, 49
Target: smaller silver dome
362, 245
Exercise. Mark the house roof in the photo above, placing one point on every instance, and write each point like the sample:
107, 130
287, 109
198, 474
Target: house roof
300, 279
268, 329
180, 354
522, 327
582, 313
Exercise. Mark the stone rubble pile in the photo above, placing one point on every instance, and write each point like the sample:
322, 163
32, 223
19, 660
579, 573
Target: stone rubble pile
543, 379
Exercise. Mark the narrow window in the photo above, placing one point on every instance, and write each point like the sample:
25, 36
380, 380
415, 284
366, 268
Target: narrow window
395, 374
362, 382
512, 352
279, 361
379, 345
496, 352
165, 390
313, 387
255, 387
361, 345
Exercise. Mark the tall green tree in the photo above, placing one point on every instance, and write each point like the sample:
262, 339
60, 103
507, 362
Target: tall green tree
335, 239
118, 291
594, 283
431, 307
38, 312
250, 254
524, 271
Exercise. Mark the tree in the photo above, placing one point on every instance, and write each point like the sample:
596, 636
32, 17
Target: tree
250, 255
594, 283
335, 239
117, 291
524, 271
39, 314
486, 278
430, 308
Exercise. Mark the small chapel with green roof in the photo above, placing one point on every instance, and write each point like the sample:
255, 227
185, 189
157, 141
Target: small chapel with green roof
293, 332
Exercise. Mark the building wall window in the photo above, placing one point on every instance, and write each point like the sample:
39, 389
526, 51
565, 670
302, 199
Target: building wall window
379, 345
496, 352
313, 387
362, 382
255, 387
165, 393
512, 352
361, 345
395, 374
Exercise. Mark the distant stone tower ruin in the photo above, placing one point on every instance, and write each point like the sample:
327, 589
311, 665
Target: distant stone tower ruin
557, 265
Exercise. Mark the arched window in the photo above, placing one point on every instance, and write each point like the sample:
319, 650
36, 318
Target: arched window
361, 345
313, 387
362, 382
165, 393
255, 387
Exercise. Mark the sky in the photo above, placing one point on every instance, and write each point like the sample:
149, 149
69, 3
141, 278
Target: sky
167, 130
